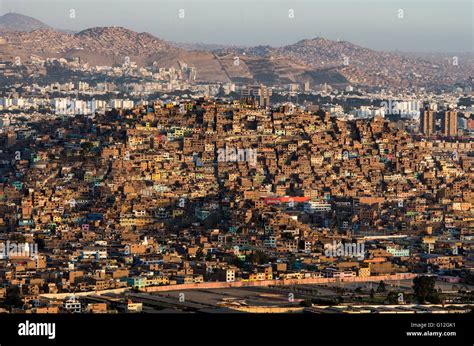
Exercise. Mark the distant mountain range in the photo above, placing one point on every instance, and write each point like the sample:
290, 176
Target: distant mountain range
19, 22
11, 22
315, 60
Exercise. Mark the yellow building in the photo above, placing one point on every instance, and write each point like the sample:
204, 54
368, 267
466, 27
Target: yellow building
364, 272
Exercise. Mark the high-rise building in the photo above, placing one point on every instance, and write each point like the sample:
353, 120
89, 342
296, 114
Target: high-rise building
306, 87
427, 121
449, 123
258, 93
11, 138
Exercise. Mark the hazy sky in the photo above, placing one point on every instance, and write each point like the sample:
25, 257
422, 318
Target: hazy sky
426, 25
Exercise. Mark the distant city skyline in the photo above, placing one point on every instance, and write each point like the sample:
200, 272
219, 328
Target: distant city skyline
416, 26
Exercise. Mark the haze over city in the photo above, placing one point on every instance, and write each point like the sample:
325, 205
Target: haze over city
415, 26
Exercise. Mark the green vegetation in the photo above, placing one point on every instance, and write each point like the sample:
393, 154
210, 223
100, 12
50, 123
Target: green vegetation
259, 257
425, 291
13, 297
381, 287
392, 298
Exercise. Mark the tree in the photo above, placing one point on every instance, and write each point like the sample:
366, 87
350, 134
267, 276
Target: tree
424, 289
13, 297
381, 287
258, 257
392, 298
236, 261
87, 146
